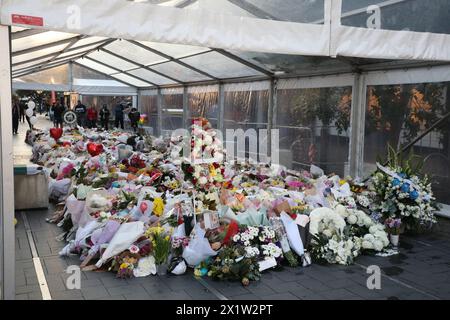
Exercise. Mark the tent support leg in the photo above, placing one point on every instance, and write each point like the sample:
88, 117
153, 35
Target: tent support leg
220, 120
7, 233
358, 113
186, 114
159, 106
271, 117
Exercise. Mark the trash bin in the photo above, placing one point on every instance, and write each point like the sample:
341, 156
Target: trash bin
30, 188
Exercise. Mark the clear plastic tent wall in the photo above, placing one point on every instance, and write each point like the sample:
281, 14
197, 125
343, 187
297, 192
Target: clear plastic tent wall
322, 72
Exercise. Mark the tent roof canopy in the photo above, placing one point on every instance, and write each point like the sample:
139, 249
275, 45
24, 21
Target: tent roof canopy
145, 64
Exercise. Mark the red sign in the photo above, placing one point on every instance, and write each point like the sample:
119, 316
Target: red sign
28, 20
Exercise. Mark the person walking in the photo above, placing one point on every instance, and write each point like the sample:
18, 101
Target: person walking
22, 108
119, 115
58, 113
15, 117
104, 116
134, 116
80, 110
92, 117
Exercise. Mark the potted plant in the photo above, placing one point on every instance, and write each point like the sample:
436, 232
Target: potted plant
393, 227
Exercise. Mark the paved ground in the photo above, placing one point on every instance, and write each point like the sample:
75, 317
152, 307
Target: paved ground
420, 271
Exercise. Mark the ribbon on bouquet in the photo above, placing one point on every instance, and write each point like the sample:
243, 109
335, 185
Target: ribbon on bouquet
395, 175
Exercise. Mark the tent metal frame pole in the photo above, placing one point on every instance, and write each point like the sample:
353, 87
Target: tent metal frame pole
7, 248
221, 120
244, 62
118, 70
105, 74
185, 3
254, 10
159, 105
49, 55
186, 113
26, 33
271, 117
172, 59
38, 69
141, 66
70, 45
357, 125
70, 75
45, 46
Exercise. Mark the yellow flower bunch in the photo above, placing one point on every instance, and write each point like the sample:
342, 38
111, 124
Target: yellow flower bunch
122, 167
158, 207
124, 265
152, 231
342, 182
247, 184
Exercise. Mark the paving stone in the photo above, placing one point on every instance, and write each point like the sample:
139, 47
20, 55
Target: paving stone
36, 295
280, 296
119, 297
201, 294
260, 289
365, 293
338, 294
110, 281
172, 295
248, 296
340, 283
94, 293
67, 295
137, 296
126, 289
23, 296
27, 289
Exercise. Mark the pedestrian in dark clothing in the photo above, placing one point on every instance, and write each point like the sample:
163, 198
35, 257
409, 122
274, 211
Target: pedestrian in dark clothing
58, 115
134, 116
104, 116
80, 110
22, 108
119, 115
15, 118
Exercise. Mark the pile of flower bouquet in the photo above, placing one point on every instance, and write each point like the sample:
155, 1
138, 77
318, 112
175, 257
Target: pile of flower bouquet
137, 207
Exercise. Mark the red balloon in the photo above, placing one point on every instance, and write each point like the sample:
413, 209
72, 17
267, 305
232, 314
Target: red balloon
94, 149
56, 133
143, 207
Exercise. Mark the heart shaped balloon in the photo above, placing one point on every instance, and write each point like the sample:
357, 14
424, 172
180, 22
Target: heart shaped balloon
56, 133
94, 149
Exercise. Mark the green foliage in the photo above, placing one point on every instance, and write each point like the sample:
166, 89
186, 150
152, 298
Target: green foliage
231, 264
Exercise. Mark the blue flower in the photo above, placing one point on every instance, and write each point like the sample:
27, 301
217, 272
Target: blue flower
204, 271
405, 187
414, 195
402, 175
395, 182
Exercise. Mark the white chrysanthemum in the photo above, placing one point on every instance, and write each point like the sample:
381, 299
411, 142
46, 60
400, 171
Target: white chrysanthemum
367, 245
352, 219
341, 210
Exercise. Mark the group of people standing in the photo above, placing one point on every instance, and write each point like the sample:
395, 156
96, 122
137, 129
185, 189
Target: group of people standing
88, 117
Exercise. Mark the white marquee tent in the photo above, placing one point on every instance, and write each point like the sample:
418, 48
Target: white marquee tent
236, 61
